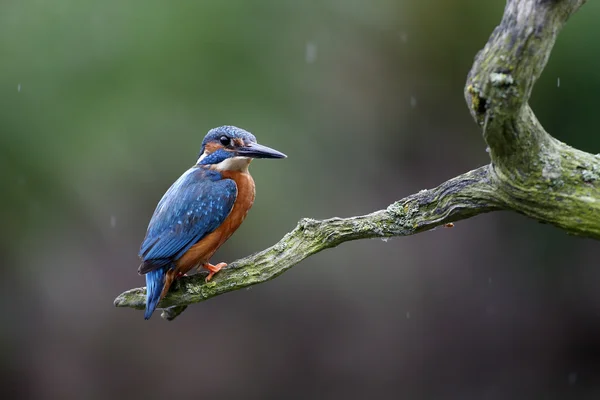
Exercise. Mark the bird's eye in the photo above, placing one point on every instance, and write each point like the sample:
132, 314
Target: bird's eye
225, 141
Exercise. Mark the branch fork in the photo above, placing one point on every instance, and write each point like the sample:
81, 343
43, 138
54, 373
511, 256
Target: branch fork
530, 172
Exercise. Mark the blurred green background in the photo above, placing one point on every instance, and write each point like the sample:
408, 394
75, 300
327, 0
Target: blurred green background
104, 104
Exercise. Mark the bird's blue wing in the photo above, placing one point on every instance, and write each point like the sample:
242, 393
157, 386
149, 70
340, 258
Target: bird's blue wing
194, 206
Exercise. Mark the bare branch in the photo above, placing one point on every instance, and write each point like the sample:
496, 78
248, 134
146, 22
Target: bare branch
531, 172
536, 174
459, 198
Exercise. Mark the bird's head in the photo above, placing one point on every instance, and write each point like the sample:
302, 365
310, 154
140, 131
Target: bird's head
228, 148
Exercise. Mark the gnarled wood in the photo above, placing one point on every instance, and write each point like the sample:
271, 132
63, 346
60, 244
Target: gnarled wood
530, 172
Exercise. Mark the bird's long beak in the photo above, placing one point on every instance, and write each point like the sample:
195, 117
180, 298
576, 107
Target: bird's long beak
255, 150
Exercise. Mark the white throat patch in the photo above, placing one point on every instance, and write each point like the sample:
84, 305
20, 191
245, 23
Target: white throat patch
233, 164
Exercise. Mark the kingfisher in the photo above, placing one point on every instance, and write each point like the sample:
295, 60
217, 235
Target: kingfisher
200, 211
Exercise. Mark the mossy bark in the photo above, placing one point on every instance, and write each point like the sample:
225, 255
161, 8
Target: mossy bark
459, 198
534, 173
530, 171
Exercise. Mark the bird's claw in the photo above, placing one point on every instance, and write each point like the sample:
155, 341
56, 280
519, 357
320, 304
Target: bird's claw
213, 269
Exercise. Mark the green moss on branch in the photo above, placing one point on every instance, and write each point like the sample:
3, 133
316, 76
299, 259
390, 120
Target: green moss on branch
530, 172
535, 174
459, 198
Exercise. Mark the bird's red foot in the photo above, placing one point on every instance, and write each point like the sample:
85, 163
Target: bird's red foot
213, 269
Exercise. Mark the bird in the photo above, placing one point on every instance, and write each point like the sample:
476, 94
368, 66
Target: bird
200, 211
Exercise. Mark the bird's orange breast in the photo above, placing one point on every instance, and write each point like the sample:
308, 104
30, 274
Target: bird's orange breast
200, 253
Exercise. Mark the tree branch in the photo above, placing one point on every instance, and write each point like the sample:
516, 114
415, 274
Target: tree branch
459, 198
530, 172
536, 174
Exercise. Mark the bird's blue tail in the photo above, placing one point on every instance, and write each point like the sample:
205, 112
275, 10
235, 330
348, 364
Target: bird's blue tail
155, 281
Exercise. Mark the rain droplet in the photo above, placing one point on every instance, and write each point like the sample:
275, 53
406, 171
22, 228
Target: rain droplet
310, 54
403, 37
19, 87
572, 378
413, 101
113, 221
408, 315
557, 82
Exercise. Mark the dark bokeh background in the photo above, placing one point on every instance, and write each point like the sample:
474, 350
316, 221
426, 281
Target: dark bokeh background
104, 104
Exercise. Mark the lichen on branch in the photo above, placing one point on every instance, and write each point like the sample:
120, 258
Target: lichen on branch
459, 198
530, 172
535, 174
